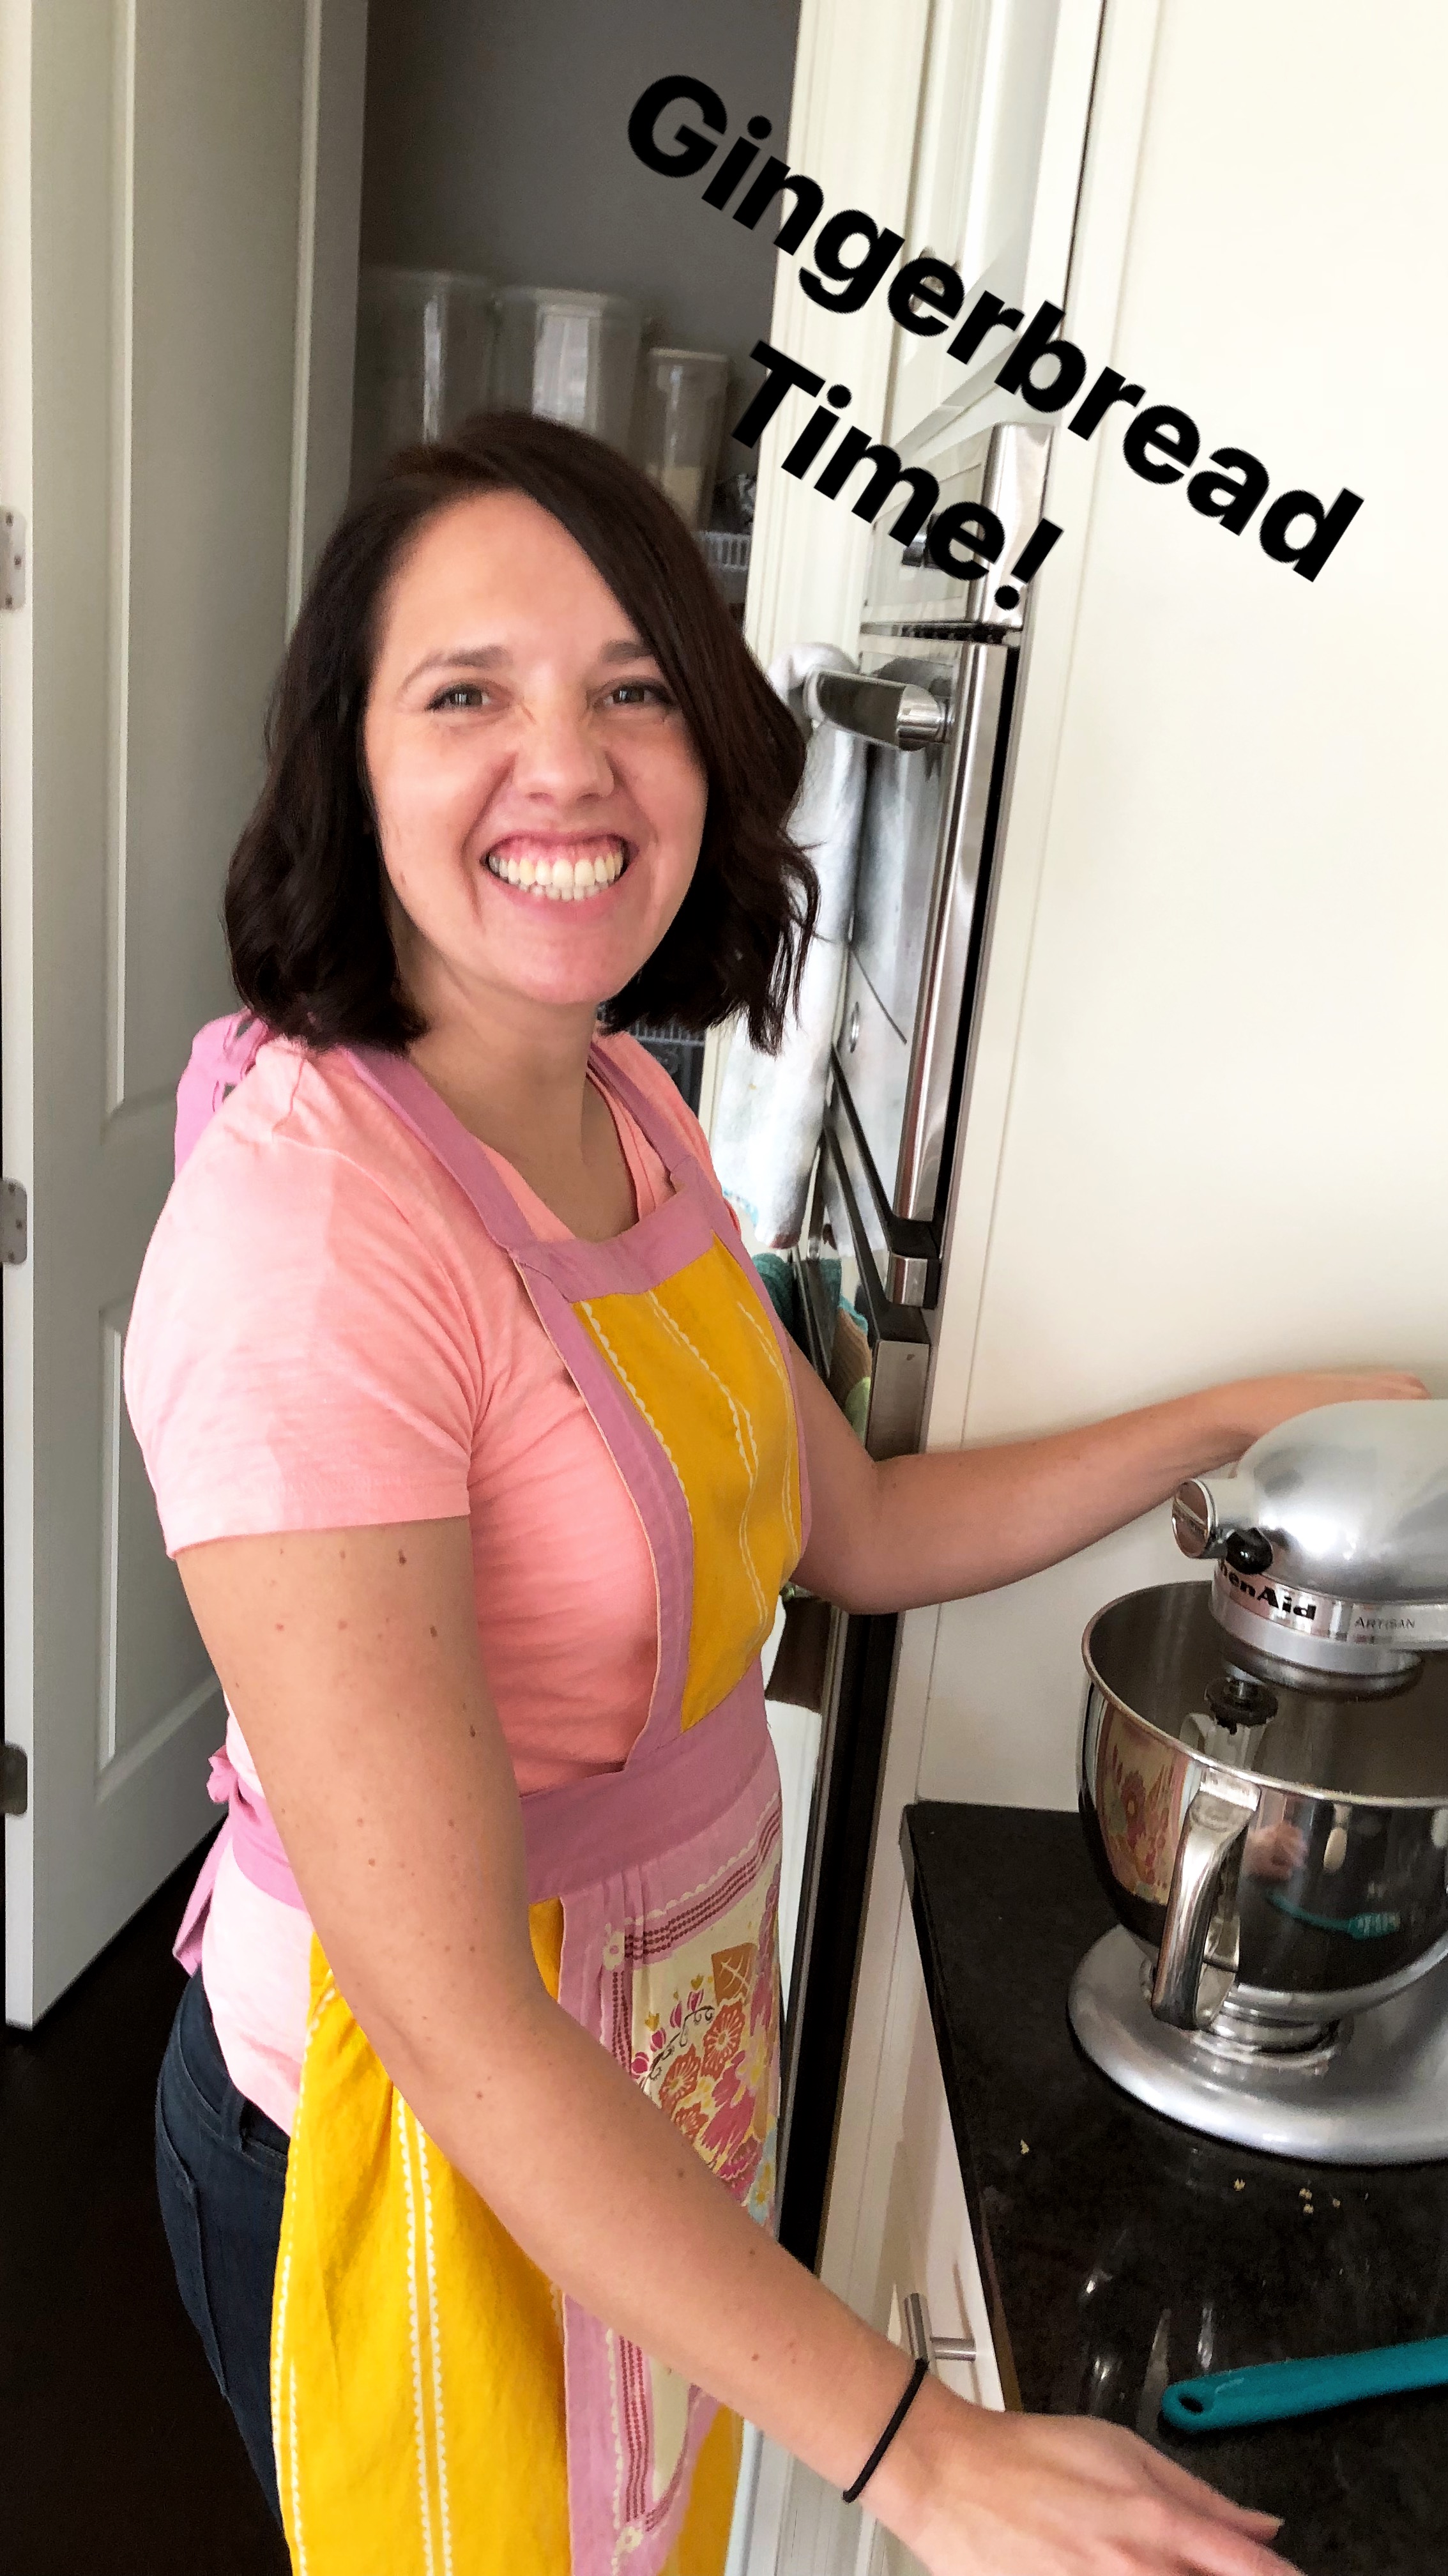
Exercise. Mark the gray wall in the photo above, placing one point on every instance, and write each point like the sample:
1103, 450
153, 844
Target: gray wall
496, 141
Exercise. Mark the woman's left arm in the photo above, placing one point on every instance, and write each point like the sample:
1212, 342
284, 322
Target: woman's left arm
894, 1534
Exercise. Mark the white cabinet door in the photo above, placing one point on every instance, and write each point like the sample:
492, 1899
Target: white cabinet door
852, 128
1000, 140
965, 133
179, 189
930, 2258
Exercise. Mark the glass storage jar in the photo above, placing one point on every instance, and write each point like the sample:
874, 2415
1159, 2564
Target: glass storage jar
424, 344
681, 416
570, 356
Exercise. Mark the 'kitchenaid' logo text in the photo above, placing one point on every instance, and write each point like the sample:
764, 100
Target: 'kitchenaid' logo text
1270, 1595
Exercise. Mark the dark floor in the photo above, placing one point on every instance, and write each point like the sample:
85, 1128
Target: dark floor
117, 2454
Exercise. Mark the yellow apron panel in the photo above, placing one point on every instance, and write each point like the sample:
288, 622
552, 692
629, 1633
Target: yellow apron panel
385, 2248
714, 1389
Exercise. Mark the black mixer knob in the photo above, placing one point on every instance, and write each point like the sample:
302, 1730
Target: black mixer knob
1249, 1550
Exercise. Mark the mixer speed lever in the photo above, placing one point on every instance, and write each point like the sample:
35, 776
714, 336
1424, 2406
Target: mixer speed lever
1249, 1550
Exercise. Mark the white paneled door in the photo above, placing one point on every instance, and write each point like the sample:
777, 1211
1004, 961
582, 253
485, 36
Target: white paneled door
178, 239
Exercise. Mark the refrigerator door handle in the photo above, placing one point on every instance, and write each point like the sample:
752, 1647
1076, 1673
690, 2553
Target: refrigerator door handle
900, 1345
898, 713
909, 1251
954, 935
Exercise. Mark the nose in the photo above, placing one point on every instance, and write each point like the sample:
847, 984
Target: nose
559, 754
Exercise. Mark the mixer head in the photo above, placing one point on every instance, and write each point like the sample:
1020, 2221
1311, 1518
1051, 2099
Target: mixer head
1331, 1542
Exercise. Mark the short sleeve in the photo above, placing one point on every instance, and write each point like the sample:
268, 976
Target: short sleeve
298, 1355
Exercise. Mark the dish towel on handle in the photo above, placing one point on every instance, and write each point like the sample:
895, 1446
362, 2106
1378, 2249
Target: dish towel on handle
771, 1108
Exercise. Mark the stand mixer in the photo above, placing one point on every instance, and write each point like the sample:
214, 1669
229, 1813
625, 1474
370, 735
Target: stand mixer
1264, 1790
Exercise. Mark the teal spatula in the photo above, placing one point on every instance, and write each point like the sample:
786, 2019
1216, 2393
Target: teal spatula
1274, 2389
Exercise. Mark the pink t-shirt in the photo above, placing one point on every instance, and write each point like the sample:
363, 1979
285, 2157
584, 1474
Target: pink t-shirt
325, 1336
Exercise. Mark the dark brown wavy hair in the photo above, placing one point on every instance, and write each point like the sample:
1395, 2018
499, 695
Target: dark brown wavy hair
311, 951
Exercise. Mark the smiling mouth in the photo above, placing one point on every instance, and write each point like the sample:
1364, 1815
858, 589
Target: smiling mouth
571, 876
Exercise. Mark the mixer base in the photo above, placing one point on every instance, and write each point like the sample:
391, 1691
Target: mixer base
1380, 2097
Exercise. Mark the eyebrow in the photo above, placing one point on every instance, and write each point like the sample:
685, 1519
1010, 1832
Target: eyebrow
493, 657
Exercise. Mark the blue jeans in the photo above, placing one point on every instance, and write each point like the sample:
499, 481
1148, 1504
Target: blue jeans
221, 2170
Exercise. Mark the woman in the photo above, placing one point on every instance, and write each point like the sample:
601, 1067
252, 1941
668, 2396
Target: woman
483, 1461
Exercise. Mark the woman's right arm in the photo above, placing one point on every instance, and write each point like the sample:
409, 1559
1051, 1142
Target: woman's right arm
351, 1659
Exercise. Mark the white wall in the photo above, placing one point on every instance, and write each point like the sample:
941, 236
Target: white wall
1226, 1143
496, 141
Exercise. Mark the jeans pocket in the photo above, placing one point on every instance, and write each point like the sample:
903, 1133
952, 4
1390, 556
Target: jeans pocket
262, 2143
181, 2218
224, 2112
197, 2065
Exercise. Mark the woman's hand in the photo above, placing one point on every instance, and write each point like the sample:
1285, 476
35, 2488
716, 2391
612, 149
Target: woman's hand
1251, 1405
974, 2493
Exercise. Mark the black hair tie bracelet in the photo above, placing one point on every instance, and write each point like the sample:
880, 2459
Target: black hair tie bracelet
917, 2375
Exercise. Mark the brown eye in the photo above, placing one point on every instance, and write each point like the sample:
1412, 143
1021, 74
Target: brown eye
463, 695
641, 693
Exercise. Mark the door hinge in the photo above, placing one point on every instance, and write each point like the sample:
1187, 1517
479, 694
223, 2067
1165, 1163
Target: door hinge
14, 1780
14, 1223
12, 559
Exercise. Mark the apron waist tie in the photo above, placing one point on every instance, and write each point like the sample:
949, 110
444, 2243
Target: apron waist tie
565, 1830
250, 1833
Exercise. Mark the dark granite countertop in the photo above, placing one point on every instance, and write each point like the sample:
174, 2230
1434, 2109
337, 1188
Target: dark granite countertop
1123, 2252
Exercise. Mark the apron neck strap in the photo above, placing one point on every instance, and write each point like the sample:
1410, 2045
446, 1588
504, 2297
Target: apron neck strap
657, 1126
411, 1096
396, 1079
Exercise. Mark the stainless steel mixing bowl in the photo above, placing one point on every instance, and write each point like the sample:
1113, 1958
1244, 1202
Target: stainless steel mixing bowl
1280, 1850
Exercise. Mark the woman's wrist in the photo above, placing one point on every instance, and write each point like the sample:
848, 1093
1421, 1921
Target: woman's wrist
913, 2386
902, 2491
871, 2378
1222, 1421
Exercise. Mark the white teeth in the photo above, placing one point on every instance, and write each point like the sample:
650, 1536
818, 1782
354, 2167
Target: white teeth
561, 880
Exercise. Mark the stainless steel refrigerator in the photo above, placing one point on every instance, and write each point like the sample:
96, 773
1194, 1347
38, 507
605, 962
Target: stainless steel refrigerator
939, 664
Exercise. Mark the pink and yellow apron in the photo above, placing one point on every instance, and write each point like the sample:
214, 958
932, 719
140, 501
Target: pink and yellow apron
438, 2408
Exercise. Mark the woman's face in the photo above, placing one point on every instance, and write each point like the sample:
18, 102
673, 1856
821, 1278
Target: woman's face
539, 800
